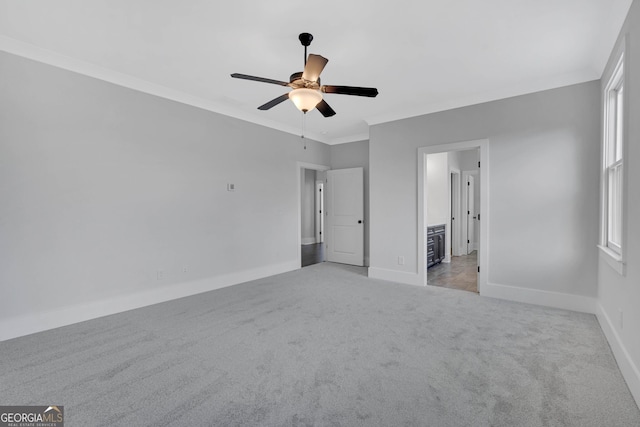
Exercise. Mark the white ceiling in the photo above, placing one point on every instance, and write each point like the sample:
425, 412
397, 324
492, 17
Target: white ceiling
423, 56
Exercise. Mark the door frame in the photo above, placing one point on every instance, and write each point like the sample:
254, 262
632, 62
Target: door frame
319, 211
299, 167
454, 203
465, 176
483, 252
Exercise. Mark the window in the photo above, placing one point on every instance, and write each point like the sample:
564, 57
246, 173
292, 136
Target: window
613, 164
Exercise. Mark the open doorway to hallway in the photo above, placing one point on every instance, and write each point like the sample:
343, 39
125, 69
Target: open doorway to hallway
312, 254
452, 215
338, 234
312, 218
461, 273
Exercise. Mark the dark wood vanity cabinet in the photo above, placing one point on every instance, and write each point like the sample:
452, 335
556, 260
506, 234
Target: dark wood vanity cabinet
435, 244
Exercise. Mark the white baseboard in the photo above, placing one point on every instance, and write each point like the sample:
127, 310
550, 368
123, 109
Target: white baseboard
38, 322
538, 297
583, 304
394, 276
308, 240
629, 370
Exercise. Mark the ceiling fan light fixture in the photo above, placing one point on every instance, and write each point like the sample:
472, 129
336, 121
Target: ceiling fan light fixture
305, 99
307, 91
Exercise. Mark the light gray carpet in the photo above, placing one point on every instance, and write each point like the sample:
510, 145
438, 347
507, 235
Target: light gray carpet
324, 345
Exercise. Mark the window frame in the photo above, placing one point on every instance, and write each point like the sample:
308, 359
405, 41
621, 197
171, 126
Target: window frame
613, 167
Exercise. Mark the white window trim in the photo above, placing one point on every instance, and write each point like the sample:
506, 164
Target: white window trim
614, 259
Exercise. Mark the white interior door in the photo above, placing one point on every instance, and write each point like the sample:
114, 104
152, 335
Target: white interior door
344, 208
471, 216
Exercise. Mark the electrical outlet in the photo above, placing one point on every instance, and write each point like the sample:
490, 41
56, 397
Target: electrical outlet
185, 268
160, 274
400, 260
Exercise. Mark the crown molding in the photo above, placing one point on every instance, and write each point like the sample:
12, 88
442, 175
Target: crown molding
45, 56
30, 51
351, 138
526, 88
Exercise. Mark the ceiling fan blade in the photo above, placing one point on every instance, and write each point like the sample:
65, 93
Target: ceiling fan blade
258, 79
325, 109
351, 90
274, 102
315, 65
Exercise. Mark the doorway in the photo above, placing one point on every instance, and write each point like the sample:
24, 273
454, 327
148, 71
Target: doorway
471, 200
447, 201
311, 180
312, 249
444, 194
455, 213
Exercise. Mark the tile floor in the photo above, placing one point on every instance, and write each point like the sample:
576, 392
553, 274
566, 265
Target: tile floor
460, 273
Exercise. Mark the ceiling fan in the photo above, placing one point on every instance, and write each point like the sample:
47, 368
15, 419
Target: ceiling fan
307, 91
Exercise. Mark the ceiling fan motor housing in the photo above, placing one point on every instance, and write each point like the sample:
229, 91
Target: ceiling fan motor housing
296, 81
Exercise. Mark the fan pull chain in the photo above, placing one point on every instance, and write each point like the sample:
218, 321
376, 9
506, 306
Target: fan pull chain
304, 115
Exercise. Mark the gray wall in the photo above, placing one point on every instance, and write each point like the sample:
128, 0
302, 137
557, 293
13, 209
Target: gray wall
354, 155
102, 186
543, 170
617, 293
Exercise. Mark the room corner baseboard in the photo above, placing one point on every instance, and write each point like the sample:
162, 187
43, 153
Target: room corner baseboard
539, 297
308, 240
629, 370
37, 322
394, 276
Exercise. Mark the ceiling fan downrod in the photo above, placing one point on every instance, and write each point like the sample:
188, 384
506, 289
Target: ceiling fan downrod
305, 39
